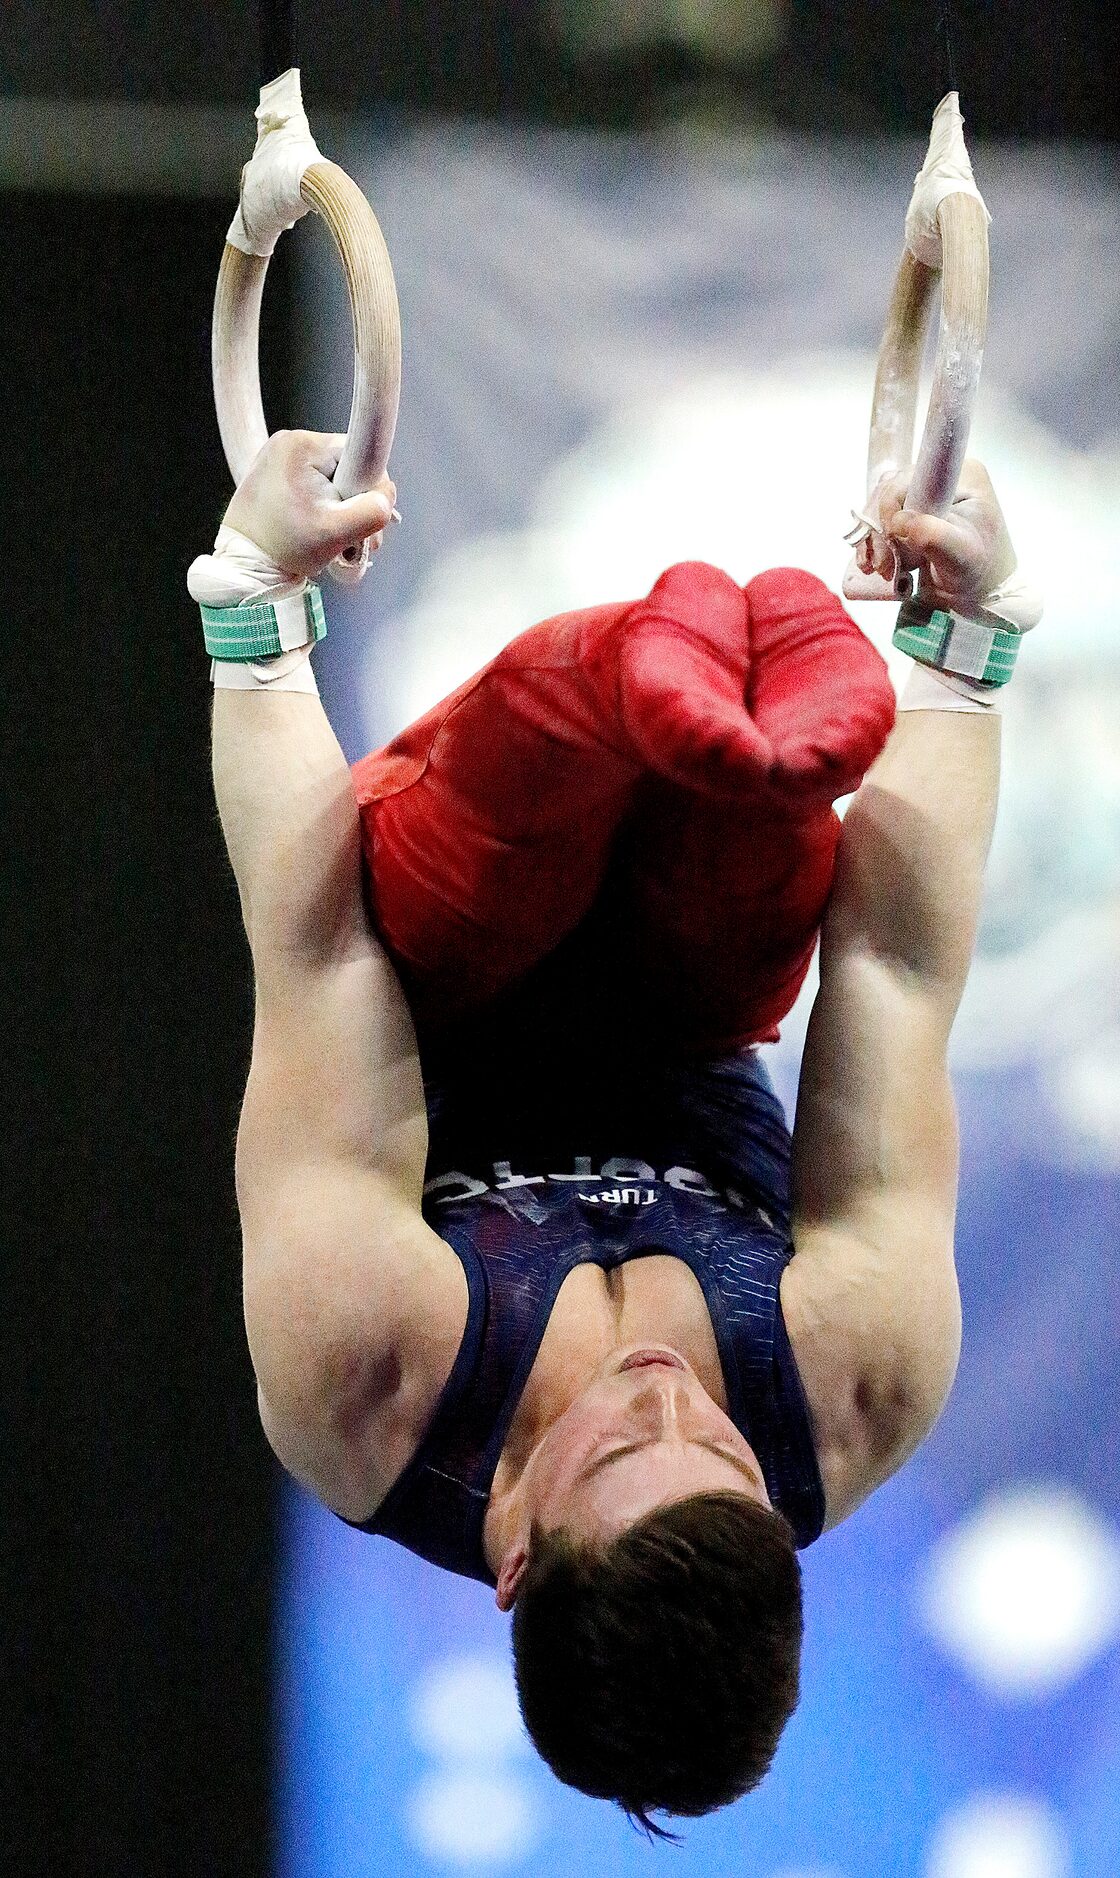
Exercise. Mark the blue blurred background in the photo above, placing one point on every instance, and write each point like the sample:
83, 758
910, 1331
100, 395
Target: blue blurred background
619, 354
644, 251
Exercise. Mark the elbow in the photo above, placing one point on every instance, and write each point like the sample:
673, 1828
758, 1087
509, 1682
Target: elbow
906, 1409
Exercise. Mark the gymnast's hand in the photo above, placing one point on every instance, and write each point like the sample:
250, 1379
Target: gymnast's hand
288, 505
962, 557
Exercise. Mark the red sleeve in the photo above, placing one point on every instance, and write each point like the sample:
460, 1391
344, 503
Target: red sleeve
680, 754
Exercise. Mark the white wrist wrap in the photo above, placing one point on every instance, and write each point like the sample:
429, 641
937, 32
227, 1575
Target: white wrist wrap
927, 690
238, 571
967, 646
289, 671
1016, 601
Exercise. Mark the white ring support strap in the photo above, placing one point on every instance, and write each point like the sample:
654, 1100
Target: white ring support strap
286, 177
946, 234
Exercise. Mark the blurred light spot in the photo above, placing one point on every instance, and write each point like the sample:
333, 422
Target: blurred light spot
1087, 1096
1026, 1592
720, 29
999, 1837
465, 1707
472, 1819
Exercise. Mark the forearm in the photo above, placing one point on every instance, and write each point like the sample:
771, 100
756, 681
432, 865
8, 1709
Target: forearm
290, 822
875, 1145
912, 854
875, 1115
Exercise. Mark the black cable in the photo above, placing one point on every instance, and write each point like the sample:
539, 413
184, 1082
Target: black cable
945, 32
277, 21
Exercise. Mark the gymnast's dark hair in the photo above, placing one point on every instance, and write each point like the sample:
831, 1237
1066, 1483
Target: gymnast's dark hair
660, 1670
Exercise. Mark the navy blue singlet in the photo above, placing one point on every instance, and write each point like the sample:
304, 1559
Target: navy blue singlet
551, 1149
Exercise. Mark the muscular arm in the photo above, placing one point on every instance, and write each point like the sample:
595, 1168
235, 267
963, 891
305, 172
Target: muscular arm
329, 1010
290, 822
874, 1109
333, 1135
875, 1146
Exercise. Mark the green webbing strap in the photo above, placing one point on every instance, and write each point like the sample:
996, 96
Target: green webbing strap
261, 629
984, 650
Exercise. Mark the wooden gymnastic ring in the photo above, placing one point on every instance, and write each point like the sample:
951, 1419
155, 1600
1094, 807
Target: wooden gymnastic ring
963, 226
235, 337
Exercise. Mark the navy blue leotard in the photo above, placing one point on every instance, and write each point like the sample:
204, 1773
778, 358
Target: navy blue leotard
550, 1148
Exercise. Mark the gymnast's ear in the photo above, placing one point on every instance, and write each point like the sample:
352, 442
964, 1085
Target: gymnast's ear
510, 1576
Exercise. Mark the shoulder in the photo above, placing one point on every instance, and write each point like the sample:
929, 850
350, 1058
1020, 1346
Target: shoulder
876, 1373
355, 1310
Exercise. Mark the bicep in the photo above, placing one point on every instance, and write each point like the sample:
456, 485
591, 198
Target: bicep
331, 1149
335, 1073
340, 1274
876, 1120
874, 1186
874, 1176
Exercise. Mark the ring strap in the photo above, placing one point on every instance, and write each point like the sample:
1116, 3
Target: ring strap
260, 629
984, 649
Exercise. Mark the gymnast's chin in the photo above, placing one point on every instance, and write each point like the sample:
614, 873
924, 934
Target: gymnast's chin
656, 1595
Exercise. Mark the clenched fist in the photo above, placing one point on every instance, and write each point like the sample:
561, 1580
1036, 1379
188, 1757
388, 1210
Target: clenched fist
288, 505
961, 557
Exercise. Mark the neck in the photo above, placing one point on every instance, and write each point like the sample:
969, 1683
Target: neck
563, 1369
590, 1320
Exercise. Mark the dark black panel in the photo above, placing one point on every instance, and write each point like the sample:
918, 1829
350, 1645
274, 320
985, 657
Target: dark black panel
1024, 69
137, 1492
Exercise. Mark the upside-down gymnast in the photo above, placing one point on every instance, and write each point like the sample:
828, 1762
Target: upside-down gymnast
543, 1296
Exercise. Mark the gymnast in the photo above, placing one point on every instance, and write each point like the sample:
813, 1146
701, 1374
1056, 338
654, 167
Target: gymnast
534, 1283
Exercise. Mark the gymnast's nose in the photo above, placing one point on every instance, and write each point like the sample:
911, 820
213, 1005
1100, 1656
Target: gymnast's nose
660, 1403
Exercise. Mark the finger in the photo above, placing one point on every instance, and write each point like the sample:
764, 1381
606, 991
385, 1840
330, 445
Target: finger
359, 518
883, 557
317, 449
926, 536
890, 496
370, 510
974, 479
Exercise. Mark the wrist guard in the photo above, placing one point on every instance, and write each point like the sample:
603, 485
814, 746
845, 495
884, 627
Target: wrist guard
261, 629
983, 649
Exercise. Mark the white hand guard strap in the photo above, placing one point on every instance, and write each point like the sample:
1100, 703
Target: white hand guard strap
927, 690
1016, 601
258, 622
978, 647
962, 662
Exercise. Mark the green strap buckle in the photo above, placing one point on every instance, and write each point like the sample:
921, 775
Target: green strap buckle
984, 650
261, 629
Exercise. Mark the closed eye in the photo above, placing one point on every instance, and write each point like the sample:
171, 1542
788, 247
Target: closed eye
634, 1447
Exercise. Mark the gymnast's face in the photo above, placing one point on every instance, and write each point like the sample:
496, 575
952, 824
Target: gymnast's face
642, 1434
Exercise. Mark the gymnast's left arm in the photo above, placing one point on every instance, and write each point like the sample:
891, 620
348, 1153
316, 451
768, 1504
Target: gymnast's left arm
333, 1133
283, 785
875, 1144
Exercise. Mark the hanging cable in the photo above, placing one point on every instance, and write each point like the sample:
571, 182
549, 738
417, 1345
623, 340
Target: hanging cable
945, 35
276, 21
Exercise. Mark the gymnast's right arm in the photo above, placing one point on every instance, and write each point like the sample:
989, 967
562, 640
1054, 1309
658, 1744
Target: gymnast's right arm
333, 1134
875, 1143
